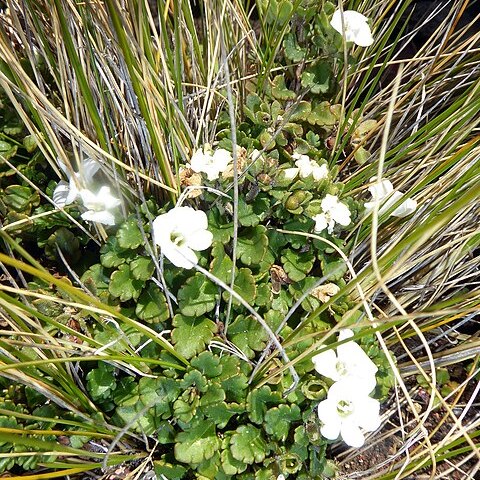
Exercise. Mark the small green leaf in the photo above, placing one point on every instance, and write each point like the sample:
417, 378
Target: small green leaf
233, 380
279, 419
163, 469
231, 466
96, 281
152, 305
30, 143
197, 296
335, 269
101, 381
246, 216
258, 400
317, 77
142, 268
297, 264
123, 285
129, 234
280, 90
248, 335
252, 245
244, 285
191, 334
208, 364
20, 198
292, 50
247, 445
221, 231
197, 444
221, 265
112, 255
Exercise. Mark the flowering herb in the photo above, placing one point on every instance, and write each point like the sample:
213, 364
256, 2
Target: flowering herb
334, 211
384, 194
99, 205
211, 163
355, 27
179, 233
66, 193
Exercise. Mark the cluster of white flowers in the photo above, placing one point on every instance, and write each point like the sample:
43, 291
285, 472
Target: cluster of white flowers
210, 162
180, 232
384, 194
305, 167
355, 27
348, 406
333, 211
98, 205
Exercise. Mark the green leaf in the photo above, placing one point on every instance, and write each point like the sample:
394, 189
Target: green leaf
231, 466
317, 77
233, 380
323, 114
172, 472
197, 296
297, 264
248, 335
30, 143
221, 265
221, 231
292, 50
191, 335
208, 364
300, 443
185, 407
20, 198
197, 444
335, 269
247, 445
112, 255
123, 285
129, 234
142, 268
152, 305
101, 381
246, 216
279, 419
252, 245
258, 400
279, 89
244, 285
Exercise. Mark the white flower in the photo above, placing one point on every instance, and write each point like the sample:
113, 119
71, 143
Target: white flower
203, 160
380, 192
333, 212
347, 409
66, 192
349, 361
179, 232
307, 167
356, 26
98, 205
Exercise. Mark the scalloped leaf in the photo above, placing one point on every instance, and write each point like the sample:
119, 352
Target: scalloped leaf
142, 268
247, 445
248, 335
246, 215
191, 335
129, 234
123, 285
252, 245
197, 296
244, 285
208, 364
258, 400
297, 264
221, 265
279, 419
197, 444
112, 255
231, 466
152, 305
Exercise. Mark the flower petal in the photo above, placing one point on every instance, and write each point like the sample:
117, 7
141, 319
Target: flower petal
405, 209
182, 257
103, 216
352, 435
88, 168
201, 240
380, 190
326, 364
321, 222
60, 194
327, 414
368, 416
